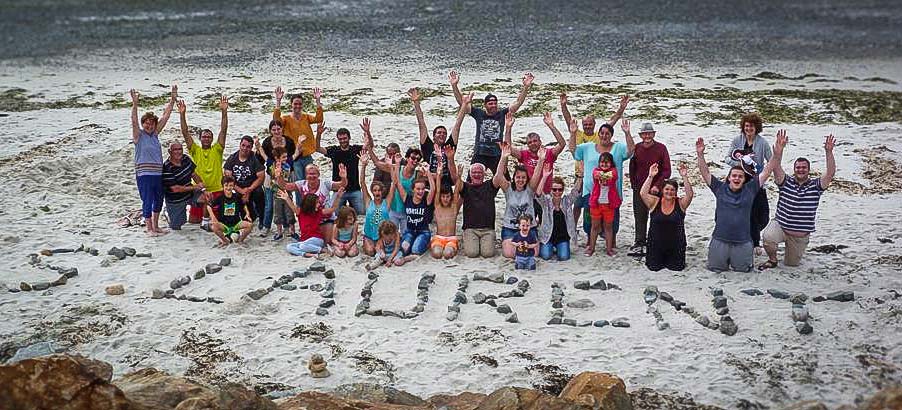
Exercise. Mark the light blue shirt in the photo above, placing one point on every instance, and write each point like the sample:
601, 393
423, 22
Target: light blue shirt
589, 156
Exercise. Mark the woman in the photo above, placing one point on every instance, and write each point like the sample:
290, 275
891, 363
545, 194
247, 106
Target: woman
419, 208
519, 196
377, 203
666, 234
149, 161
558, 229
750, 148
312, 184
412, 159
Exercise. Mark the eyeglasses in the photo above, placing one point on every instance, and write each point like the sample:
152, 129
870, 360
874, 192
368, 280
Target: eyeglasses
557, 189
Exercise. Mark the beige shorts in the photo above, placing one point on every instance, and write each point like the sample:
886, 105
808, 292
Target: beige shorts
795, 245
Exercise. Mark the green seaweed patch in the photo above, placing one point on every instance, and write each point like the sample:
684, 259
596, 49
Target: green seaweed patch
728, 76
240, 100
654, 112
144, 101
769, 75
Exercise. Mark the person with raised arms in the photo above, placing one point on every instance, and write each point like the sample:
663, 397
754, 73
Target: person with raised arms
751, 151
666, 234
207, 155
519, 196
800, 194
276, 139
297, 124
489, 122
731, 242
408, 164
322, 188
647, 152
377, 201
310, 216
419, 208
433, 148
249, 174
445, 243
149, 160
558, 227
347, 155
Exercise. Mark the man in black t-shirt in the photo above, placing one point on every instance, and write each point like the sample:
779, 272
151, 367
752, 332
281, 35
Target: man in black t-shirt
433, 148
490, 122
349, 155
231, 223
248, 173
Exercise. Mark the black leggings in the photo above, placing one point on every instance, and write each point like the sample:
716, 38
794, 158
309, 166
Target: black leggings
760, 215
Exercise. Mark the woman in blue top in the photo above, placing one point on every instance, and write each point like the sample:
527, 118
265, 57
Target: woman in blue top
149, 160
377, 207
419, 208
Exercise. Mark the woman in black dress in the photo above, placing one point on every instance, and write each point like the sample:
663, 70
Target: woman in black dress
666, 235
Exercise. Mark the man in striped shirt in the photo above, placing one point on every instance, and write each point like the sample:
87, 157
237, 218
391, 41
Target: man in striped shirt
180, 184
796, 208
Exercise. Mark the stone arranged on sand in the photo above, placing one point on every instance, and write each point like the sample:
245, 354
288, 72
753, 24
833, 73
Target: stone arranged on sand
212, 268
582, 285
157, 294
581, 304
322, 311
703, 320
511, 280
317, 267
225, 261
327, 303
329, 274
129, 251
199, 275
752, 292
317, 366
599, 285
257, 294
114, 290
504, 309
512, 318
841, 296
727, 326
804, 328
716, 292
650, 294
719, 302
479, 298
620, 322
69, 272
118, 253
779, 294
491, 277
798, 298
799, 313
288, 287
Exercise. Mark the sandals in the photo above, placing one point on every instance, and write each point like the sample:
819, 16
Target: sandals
767, 265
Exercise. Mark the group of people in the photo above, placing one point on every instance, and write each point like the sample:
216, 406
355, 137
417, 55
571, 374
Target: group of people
411, 204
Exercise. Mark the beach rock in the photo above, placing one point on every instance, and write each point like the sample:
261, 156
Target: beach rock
183, 297
841, 296
491, 277
601, 323
452, 316
512, 318
703, 320
328, 293
650, 294
677, 304
713, 325
69, 273
491, 302
723, 311
184, 280
317, 287
661, 325
419, 308
581, 304
169, 292
799, 313
327, 303
599, 284
569, 322
514, 293
779, 294
719, 302
665, 297
317, 267
557, 305
317, 367
613, 286
819, 299
374, 393
129, 251
289, 287
45, 252
40, 286
93, 251
298, 273
798, 298
598, 390
114, 290
511, 280
194, 298
555, 320
329, 274
212, 268
14, 290
523, 285
175, 284
804, 328
154, 389
60, 382
479, 298
462, 401
620, 322
199, 275
727, 326
583, 323
690, 311
504, 309
257, 294
143, 255
557, 312
460, 297
716, 292
108, 261
518, 398
322, 311
372, 275
157, 294
582, 285
225, 261
807, 405
889, 398
424, 283
118, 253
366, 293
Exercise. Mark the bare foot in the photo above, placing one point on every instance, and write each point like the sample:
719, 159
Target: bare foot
222, 244
590, 251
611, 252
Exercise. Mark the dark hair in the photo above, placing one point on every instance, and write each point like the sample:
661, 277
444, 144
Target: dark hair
227, 179
413, 151
753, 118
524, 217
248, 138
489, 97
419, 180
277, 152
735, 167
343, 214
446, 189
533, 134
558, 180
802, 159
393, 145
672, 182
149, 115
344, 131
606, 156
434, 130
608, 126
293, 96
206, 130
308, 203
378, 184
275, 122
387, 228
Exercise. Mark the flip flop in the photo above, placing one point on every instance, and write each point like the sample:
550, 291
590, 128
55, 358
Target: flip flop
767, 265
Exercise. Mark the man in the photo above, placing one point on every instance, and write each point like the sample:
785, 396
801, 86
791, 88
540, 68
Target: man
478, 197
312, 184
298, 123
249, 174
348, 155
529, 157
588, 134
383, 174
207, 156
589, 153
797, 206
178, 174
433, 149
489, 122
647, 152
731, 243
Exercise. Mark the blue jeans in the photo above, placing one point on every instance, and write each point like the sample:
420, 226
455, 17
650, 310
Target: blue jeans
525, 262
300, 172
266, 220
415, 242
311, 245
562, 248
178, 214
587, 220
399, 219
150, 188
355, 199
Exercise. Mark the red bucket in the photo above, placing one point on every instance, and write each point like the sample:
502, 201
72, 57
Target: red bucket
196, 214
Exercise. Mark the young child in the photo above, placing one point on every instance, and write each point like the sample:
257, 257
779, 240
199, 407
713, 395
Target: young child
388, 247
603, 202
281, 213
344, 233
378, 205
232, 222
444, 243
527, 245
310, 215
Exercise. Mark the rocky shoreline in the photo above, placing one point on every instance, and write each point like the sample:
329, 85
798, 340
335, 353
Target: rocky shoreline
75, 382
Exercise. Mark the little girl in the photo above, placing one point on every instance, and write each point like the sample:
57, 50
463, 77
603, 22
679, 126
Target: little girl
344, 233
603, 202
388, 247
309, 215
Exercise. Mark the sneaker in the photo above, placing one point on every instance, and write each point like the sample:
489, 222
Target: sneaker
264, 233
296, 237
636, 251
277, 236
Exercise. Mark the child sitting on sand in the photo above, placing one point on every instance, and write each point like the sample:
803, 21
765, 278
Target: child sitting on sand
388, 247
527, 245
309, 215
444, 243
232, 223
603, 203
344, 233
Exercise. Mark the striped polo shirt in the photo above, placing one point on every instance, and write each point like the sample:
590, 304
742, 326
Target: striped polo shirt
797, 206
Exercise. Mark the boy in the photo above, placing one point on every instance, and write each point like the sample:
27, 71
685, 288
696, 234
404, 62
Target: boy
527, 245
282, 215
232, 218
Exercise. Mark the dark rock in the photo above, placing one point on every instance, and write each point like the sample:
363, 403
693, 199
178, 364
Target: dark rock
288, 287
69, 272
197, 299
157, 294
719, 302
424, 283
716, 292
752, 292
460, 297
491, 277
60, 281
665, 297
184, 280
372, 275
479, 298
512, 318
723, 311
511, 280
366, 293
557, 305
728, 327
329, 274
143, 255
118, 253
703, 320
599, 285
569, 322
175, 284
215, 300
327, 303
491, 302
523, 285
129, 251
555, 321
650, 294
212, 268
257, 294
225, 261
677, 304
804, 328
316, 287
297, 273
199, 275
799, 313
322, 311
620, 322
504, 309
361, 308
601, 323
14, 290
93, 252
582, 285
317, 267
841, 296
798, 298
613, 286
779, 294
819, 299
62, 250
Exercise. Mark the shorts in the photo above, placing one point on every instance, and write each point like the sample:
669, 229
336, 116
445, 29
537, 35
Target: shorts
444, 242
230, 229
604, 212
282, 214
795, 245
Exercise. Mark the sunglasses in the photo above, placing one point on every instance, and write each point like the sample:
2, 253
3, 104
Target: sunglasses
557, 189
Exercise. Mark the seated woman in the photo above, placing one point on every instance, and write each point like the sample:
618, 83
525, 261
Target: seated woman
666, 234
558, 227
419, 209
519, 196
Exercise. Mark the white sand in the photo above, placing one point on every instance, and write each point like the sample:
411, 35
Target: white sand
87, 180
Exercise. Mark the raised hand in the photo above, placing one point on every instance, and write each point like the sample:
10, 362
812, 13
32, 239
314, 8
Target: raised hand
317, 95
653, 170
342, 171
453, 77
542, 153
624, 100
467, 99
414, 95
684, 170
563, 99
283, 195
547, 119
509, 119
829, 143
363, 159
134, 94
223, 102
180, 105
279, 94
460, 170
625, 125
365, 126
505, 148
527, 79
449, 151
700, 146
782, 139
174, 93
573, 126
547, 170
320, 128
